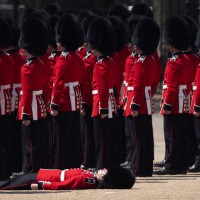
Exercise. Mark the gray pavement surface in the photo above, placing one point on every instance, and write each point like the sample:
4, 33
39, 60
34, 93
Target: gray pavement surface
156, 187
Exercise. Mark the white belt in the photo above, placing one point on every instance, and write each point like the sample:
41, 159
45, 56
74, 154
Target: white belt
71, 84
130, 88
194, 87
96, 91
164, 87
125, 83
5, 87
38, 92
17, 85
72, 93
62, 175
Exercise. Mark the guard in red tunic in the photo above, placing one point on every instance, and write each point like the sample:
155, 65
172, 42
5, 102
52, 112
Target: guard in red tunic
139, 108
17, 62
176, 88
195, 109
101, 41
66, 94
118, 149
70, 179
32, 106
87, 128
6, 80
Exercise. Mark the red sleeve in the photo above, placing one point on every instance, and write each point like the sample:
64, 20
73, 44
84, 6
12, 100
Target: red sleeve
197, 99
27, 91
60, 69
86, 86
173, 74
101, 73
138, 83
82, 181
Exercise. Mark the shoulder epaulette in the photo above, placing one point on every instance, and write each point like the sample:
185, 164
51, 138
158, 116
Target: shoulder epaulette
52, 55
64, 54
28, 62
87, 56
100, 60
174, 58
141, 58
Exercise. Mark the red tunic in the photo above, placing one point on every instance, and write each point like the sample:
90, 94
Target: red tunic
34, 76
52, 61
142, 82
17, 62
104, 81
81, 51
177, 84
68, 179
6, 80
86, 86
69, 72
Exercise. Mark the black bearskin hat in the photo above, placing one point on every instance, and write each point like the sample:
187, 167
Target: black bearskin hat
131, 23
81, 16
197, 42
69, 33
119, 11
101, 36
14, 32
117, 178
52, 22
53, 9
121, 32
176, 32
34, 36
146, 35
193, 27
142, 9
25, 15
85, 24
4, 33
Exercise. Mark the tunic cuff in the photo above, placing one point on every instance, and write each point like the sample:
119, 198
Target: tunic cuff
103, 111
135, 106
197, 108
167, 107
26, 116
40, 185
54, 106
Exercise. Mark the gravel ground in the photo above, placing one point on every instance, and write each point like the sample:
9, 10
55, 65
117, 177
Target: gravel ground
156, 187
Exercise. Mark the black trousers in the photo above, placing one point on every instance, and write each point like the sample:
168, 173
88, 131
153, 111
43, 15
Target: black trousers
22, 182
103, 132
6, 146
66, 127
143, 128
197, 129
16, 155
176, 138
87, 137
35, 146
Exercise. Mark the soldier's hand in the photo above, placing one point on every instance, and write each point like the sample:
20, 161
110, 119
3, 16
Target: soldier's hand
103, 116
134, 113
34, 186
83, 112
54, 113
167, 112
196, 114
26, 122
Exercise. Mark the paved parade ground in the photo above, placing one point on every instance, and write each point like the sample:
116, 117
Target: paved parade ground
156, 187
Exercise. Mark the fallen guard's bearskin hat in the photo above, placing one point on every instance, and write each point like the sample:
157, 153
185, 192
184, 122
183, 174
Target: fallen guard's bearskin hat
176, 32
34, 36
193, 27
146, 35
85, 24
131, 23
121, 32
142, 9
69, 33
101, 36
4, 33
117, 178
14, 32
119, 11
